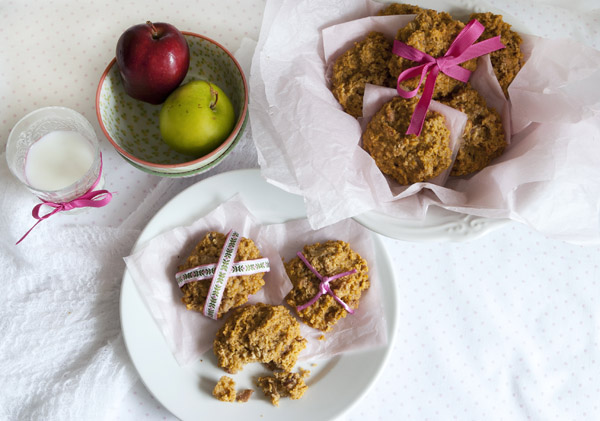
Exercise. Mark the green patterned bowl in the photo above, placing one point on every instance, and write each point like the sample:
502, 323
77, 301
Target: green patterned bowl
132, 128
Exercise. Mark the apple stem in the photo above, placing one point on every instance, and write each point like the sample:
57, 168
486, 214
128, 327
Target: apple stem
153, 29
215, 95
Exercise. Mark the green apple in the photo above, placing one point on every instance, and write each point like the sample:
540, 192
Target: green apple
196, 118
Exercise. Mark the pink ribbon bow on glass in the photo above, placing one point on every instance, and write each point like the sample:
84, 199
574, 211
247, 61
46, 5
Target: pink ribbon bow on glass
88, 199
462, 49
324, 286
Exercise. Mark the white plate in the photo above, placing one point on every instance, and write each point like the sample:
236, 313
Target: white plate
439, 225
334, 385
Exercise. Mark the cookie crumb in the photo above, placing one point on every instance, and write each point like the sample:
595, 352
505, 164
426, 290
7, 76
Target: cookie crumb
244, 395
225, 389
283, 384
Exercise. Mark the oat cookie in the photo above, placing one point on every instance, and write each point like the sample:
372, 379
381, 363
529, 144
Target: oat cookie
259, 333
430, 32
328, 258
407, 158
483, 137
508, 61
237, 289
283, 384
400, 9
366, 62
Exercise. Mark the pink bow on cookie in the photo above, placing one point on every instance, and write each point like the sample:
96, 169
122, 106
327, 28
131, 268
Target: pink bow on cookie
324, 287
462, 49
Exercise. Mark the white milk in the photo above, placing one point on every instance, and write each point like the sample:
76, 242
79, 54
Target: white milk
58, 160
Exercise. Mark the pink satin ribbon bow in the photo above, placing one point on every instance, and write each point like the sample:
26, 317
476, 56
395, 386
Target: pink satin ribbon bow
88, 199
324, 286
461, 50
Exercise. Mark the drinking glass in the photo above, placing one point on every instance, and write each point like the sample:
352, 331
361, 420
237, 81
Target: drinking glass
39, 123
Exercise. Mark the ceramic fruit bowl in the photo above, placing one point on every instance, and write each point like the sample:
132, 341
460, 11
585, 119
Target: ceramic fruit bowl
132, 126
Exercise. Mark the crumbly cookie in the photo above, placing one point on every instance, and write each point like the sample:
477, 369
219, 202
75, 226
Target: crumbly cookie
508, 61
407, 158
224, 391
364, 63
237, 289
283, 384
259, 333
483, 137
329, 258
400, 9
430, 32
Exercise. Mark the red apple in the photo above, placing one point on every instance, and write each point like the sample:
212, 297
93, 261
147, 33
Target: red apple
153, 59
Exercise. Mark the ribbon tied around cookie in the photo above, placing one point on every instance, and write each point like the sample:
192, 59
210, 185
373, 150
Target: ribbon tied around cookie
462, 49
220, 272
324, 287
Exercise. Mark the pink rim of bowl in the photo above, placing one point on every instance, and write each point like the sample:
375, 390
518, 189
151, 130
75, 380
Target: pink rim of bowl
181, 166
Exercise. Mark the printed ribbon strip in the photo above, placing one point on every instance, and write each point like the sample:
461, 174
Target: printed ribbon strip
90, 199
222, 270
198, 273
324, 286
461, 50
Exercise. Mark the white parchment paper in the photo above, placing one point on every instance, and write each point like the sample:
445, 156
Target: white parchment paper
548, 177
189, 334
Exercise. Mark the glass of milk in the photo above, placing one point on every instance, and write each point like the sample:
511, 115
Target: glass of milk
54, 151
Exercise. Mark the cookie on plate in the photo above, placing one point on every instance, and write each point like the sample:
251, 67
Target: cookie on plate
328, 258
259, 333
366, 62
483, 137
237, 289
430, 32
508, 61
407, 158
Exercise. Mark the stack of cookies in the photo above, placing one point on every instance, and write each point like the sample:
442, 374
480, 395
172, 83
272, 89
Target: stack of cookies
409, 158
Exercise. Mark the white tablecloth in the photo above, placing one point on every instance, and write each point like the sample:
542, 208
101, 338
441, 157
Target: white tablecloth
502, 327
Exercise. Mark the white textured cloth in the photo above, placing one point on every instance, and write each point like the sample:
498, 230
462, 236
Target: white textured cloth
62, 352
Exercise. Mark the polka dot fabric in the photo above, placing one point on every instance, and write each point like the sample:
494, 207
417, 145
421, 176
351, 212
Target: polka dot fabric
505, 327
